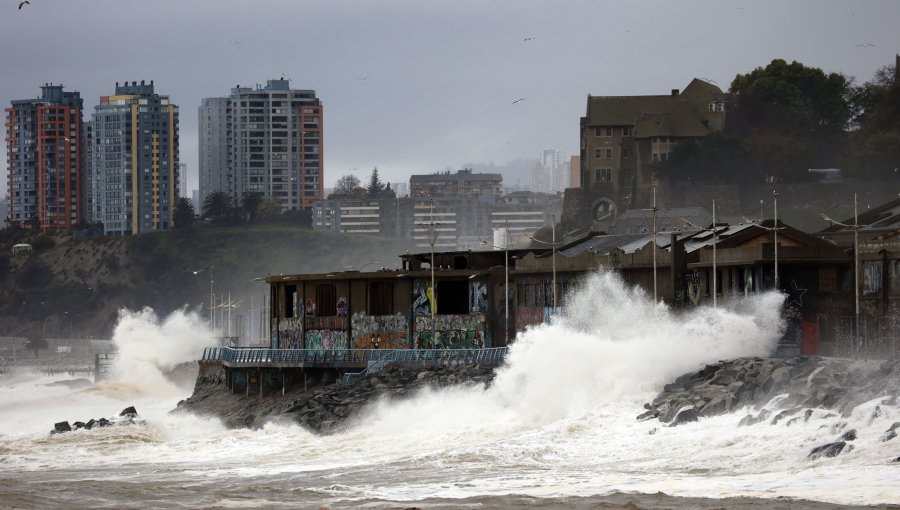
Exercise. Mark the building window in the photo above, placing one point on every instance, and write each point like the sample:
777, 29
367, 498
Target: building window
627, 131
381, 298
717, 106
603, 174
827, 279
603, 131
326, 300
626, 153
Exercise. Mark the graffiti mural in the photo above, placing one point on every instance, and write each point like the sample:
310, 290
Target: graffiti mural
693, 286
478, 297
290, 334
379, 332
421, 304
326, 339
326, 323
273, 333
450, 332
871, 277
310, 307
342, 307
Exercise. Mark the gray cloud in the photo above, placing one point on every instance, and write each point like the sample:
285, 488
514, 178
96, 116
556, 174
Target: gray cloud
441, 76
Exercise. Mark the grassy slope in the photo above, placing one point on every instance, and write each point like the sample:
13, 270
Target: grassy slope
83, 283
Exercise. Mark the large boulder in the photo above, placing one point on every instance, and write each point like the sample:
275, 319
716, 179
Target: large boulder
827, 450
60, 427
129, 412
685, 416
890, 433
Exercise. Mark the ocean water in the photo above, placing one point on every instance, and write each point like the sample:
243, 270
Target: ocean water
557, 429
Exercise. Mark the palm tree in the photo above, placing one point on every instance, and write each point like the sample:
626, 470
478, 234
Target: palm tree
250, 202
218, 205
183, 216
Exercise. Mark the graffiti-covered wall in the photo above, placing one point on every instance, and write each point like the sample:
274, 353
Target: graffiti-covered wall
451, 332
326, 339
528, 316
380, 332
290, 334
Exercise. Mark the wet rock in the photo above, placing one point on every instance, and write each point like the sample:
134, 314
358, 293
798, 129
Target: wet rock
685, 416
850, 435
102, 422
784, 414
648, 415
60, 427
129, 412
827, 450
90, 424
77, 425
890, 433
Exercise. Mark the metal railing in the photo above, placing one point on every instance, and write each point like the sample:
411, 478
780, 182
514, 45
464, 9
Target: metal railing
355, 357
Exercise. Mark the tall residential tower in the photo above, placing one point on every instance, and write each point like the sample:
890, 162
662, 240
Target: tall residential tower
264, 139
45, 159
134, 161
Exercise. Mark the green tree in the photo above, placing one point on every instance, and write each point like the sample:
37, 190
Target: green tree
184, 214
873, 149
250, 202
793, 97
346, 186
218, 206
268, 210
375, 187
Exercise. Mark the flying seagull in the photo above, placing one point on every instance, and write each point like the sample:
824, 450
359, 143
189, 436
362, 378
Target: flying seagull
22, 4
866, 45
518, 100
235, 42
528, 39
363, 78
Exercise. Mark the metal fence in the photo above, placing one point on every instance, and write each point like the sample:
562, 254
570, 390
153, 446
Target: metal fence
355, 357
878, 336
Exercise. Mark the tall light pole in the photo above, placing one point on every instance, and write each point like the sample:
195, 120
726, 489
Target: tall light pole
554, 261
774, 229
212, 297
432, 238
505, 281
653, 215
855, 226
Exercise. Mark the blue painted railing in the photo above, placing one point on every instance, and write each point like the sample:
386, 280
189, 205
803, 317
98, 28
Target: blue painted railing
355, 357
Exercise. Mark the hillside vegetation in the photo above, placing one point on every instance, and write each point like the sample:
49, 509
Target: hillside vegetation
77, 286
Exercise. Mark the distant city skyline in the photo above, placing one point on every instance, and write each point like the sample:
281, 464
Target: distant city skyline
417, 88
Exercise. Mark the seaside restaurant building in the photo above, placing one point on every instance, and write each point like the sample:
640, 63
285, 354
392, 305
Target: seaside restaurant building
396, 308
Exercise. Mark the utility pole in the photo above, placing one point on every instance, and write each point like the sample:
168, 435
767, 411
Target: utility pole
775, 230
553, 246
654, 245
856, 265
715, 275
432, 238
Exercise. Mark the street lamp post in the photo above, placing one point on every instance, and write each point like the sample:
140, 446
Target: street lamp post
855, 226
505, 282
775, 230
212, 297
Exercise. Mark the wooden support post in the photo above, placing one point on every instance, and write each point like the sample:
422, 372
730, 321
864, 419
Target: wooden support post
259, 371
282, 382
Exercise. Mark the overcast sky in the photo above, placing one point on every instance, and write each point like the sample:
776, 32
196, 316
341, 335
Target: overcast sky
417, 86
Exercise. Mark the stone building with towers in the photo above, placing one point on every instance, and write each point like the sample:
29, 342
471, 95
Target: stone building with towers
623, 136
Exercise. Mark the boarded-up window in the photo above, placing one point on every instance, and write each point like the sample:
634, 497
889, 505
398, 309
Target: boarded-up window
453, 297
827, 279
326, 300
381, 298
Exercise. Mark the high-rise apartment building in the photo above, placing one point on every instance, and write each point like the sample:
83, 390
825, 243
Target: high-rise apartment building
264, 139
45, 159
134, 160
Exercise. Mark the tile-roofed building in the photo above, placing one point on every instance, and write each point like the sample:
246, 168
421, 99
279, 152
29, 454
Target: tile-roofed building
622, 136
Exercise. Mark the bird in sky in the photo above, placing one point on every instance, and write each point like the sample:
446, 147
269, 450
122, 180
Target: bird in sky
285, 77
23, 3
528, 39
518, 100
865, 45
362, 78
235, 42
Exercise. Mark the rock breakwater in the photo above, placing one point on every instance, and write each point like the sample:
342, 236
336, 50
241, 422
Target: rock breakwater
326, 405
